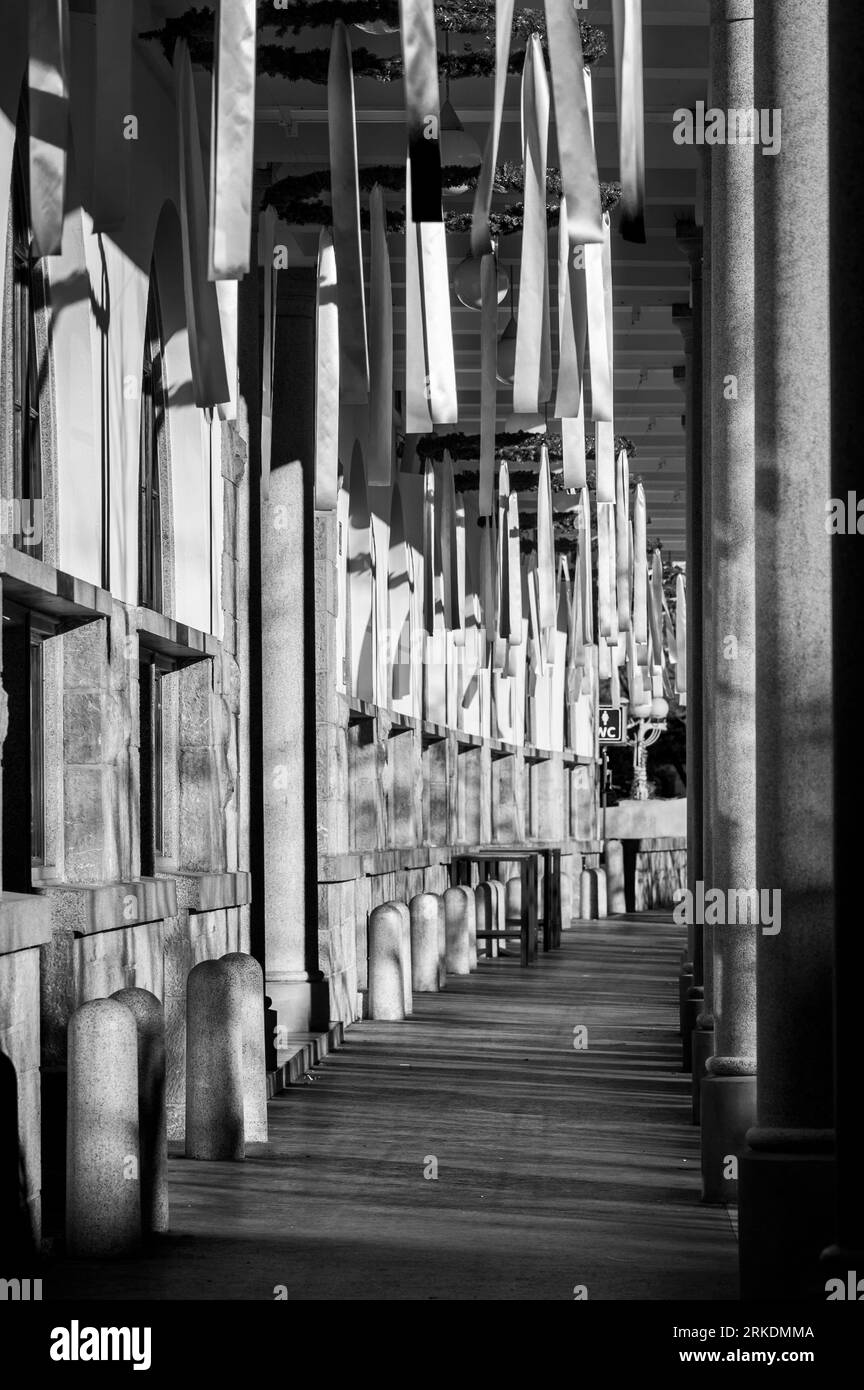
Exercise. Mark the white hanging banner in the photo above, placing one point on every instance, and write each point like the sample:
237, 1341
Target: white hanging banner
514, 569
622, 539
430, 546
598, 294
422, 105
572, 324
481, 240
209, 377
232, 139
417, 417
579, 178
488, 379
326, 375
573, 450
380, 454
655, 609
532, 379
627, 26
345, 198
681, 633
640, 568
547, 604
430, 364
605, 532
267, 231
48, 111
112, 97
604, 460
445, 507
228, 299
461, 572
586, 570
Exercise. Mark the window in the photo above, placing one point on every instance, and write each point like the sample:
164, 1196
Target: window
23, 751
151, 670
26, 441
149, 502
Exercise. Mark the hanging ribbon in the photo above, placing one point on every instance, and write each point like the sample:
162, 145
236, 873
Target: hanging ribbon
572, 325
345, 198
461, 571
604, 460
656, 607
445, 507
579, 179
510, 522
381, 345
429, 548
232, 139
605, 531
622, 539
532, 378
546, 596
430, 365
627, 25
112, 98
586, 570
209, 378
267, 225
597, 292
422, 107
227, 299
488, 379
640, 569
326, 374
481, 239
48, 97
573, 451
681, 633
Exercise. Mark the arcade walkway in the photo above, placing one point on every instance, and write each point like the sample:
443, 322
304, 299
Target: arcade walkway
556, 1166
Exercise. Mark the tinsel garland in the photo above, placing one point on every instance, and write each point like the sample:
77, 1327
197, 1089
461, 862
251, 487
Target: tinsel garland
310, 65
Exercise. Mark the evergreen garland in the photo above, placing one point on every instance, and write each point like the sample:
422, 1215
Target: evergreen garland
311, 65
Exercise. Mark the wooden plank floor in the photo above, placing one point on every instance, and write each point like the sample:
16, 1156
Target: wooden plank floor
556, 1167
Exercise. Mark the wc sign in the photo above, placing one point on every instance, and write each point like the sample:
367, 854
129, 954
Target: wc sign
609, 724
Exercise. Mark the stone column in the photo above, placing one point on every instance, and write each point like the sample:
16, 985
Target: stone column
845, 57
785, 1215
729, 1090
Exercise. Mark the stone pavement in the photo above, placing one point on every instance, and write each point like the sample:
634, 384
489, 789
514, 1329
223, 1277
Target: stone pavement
557, 1166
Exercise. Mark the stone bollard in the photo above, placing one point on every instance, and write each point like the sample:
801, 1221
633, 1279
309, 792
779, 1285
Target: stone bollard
386, 983
254, 1065
457, 930
593, 895
442, 943
471, 913
617, 898
499, 898
214, 1062
512, 910
425, 949
149, 1018
103, 1188
405, 917
486, 905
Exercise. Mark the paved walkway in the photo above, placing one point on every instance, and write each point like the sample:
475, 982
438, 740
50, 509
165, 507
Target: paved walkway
556, 1167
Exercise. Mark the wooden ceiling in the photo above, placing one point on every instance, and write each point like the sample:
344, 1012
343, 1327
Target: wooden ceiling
291, 136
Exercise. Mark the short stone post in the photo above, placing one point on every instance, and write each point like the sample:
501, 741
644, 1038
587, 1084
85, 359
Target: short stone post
486, 909
386, 987
471, 913
499, 899
149, 1018
617, 899
442, 943
512, 910
405, 918
103, 1188
214, 1062
458, 945
254, 1065
425, 948
593, 895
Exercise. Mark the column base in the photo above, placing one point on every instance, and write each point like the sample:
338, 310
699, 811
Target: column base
694, 1005
301, 1006
785, 1220
702, 1046
728, 1109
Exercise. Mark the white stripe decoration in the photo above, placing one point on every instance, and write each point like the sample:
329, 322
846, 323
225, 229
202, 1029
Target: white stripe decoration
627, 25
573, 452
326, 375
604, 460
488, 379
481, 240
48, 102
622, 539
345, 198
232, 139
572, 326
422, 105
576, 157
112, 97
597, 259
640, 569
380, 453
532, 377
209, 377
